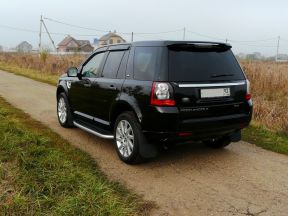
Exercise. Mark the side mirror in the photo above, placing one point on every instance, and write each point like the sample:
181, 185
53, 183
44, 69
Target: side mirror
72, 72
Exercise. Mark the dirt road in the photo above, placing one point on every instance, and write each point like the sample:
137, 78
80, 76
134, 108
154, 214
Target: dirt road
188, 180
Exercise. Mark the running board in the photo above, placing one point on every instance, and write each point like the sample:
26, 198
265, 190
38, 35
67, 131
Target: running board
92, 131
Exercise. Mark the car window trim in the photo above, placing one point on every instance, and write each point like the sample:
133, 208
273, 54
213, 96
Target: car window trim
107, 55
100, 65
125, 51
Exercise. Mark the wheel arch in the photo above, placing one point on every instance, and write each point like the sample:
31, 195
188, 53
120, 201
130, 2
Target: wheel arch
120, 107
61, 88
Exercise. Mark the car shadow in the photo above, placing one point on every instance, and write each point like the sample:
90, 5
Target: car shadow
191, 152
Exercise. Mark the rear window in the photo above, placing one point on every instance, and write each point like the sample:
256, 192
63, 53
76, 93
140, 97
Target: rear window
145, 62
198, 65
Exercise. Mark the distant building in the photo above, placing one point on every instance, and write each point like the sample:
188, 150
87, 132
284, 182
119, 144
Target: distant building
70, 44
95, 42
24, 47
282, 57
254, 56
241, 56
110, 38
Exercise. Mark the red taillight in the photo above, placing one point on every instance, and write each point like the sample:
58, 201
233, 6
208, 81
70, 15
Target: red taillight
184, 134
248, 97
248, 94
162, 94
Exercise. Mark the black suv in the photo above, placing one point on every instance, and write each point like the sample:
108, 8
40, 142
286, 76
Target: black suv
145, 93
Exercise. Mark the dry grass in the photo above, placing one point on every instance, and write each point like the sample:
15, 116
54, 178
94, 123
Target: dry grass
269, 82
51, 64
269, 87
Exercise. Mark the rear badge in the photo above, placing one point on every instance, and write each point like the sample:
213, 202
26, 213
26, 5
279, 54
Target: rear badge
199, 109
185, 100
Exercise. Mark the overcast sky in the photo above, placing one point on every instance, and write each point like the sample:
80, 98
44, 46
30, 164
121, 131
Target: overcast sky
245, 20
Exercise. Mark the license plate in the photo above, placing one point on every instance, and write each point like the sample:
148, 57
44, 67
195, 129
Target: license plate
216, 92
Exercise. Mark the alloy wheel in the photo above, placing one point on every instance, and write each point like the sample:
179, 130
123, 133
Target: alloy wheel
125, 138
62, 110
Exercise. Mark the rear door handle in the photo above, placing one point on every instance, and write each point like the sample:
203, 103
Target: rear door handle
87, 83
112, 87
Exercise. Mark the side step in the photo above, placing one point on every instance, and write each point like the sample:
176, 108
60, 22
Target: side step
105, 136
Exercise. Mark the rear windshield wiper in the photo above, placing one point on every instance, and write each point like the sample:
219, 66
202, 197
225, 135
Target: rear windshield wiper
221, 75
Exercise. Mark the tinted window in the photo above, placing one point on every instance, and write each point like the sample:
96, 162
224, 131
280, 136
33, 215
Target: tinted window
203, 65
145, 62
123, 66
112, 64
92, 67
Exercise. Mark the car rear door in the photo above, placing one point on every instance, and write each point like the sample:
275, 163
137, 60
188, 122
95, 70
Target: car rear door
207, 81
107, 87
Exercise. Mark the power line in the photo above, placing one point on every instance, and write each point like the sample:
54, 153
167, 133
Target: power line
277, 53
254, 41
203, 35
106, 31
154, 33
232, 40
253, 45
18, 29
184, 33
284, 39
52, 33
151, 34
75, 26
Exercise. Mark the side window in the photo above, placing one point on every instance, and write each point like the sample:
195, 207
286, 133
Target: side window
145, 62
92, 67
123, 66
112, 64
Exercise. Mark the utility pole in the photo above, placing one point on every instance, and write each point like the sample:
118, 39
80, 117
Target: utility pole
40, 34
226, 40
184, 33
132, 37
49, 35
278, 42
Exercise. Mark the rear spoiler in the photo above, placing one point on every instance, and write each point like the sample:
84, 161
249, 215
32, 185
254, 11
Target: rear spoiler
200, 45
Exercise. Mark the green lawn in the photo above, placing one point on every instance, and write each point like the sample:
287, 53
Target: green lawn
277, 142
42, 174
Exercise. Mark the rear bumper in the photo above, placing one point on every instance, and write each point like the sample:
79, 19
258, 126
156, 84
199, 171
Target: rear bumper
165, 124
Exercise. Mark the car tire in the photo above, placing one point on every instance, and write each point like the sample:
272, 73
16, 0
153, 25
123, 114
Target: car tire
218, 142
64, 111
128, 137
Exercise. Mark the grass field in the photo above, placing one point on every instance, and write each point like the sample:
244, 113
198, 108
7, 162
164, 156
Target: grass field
269, 86
42, 174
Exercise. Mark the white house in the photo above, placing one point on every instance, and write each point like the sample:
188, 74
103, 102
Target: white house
24, 47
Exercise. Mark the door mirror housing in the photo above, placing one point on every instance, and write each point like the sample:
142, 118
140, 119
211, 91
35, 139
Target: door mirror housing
72, 72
